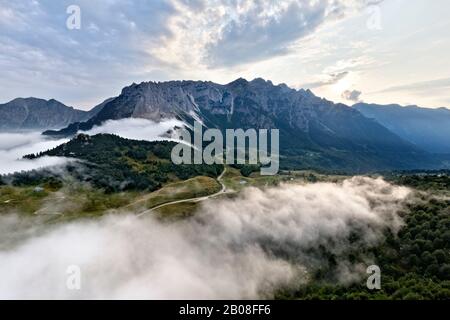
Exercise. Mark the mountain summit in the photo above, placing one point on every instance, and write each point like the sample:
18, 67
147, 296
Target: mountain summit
34, 113
314, 132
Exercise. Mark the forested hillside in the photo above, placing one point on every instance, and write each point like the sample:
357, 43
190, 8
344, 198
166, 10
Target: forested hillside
116, 164
415, 263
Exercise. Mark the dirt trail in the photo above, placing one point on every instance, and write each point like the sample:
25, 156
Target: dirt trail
196, 199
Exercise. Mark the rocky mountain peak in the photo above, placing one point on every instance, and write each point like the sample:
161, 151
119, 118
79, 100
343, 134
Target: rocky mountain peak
311, 128
238, 82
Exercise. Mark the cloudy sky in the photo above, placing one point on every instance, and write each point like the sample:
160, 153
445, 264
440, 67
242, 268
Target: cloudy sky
391, 51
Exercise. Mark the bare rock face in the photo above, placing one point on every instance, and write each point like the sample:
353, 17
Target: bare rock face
314, 132
258, 102
242, 104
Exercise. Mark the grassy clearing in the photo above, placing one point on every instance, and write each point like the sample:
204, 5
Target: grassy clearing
74, 201
191, 188
82, 202
67, 203
177, 210
21, 200
77, 200
233, 179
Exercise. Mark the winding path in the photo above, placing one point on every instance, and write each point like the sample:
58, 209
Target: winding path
196, 199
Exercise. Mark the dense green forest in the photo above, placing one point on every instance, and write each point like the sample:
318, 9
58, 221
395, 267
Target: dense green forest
114, 164
415, 263
426, 180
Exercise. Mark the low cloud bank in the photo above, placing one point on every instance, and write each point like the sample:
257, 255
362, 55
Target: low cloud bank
137, 128
13, 146
245, 247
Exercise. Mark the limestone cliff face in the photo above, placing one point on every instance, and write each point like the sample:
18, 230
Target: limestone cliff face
314, 132
259, 101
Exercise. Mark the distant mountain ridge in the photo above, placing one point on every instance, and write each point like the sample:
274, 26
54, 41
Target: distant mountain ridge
40, 114
427, 128
314, 132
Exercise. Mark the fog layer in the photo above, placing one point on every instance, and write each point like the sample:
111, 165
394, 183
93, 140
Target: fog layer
13, 146
247, 247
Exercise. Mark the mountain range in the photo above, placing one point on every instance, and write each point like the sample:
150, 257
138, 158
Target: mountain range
314, 132
427, 128
40, 114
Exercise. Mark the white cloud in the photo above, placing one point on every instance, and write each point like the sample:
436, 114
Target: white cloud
13, 146
292, 41
220, 33
231, 249
136, 128
327, 80
351, 95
